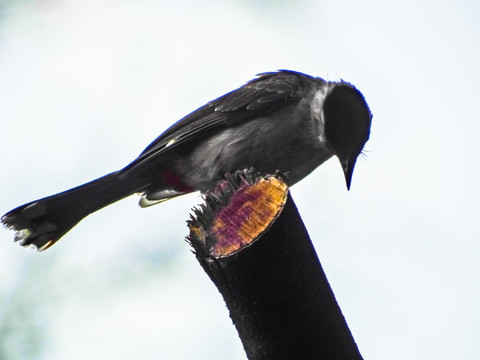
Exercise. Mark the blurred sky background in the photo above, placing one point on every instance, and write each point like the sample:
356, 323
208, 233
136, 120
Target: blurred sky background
86, 85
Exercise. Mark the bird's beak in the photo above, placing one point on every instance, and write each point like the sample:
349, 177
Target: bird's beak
348, 165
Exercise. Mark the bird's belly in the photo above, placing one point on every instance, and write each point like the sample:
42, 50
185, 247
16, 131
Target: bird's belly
260, 144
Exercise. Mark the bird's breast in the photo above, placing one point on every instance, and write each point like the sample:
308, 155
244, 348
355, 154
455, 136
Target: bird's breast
289, 142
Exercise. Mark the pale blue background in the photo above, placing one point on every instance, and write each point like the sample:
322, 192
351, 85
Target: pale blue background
85, 85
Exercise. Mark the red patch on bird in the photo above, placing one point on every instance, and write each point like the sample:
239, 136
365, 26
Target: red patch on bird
173, 181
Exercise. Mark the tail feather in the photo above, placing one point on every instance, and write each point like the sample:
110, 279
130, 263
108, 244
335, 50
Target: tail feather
43, 222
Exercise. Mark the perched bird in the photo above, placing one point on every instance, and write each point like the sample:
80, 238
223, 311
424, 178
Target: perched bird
285, 120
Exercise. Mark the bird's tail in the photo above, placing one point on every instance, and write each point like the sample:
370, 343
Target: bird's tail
43, 222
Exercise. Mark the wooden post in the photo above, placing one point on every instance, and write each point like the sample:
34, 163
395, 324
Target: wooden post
250, 240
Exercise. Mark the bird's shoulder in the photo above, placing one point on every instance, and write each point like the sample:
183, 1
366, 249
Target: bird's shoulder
266, 92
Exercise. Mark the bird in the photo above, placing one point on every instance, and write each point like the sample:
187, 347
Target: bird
282, 120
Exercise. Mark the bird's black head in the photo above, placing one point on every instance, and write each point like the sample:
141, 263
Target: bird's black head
347, 124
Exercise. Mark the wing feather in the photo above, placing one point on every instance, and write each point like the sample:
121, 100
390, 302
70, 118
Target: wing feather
260, 96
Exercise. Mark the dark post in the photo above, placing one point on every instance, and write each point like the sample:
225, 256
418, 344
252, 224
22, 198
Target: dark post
274, 286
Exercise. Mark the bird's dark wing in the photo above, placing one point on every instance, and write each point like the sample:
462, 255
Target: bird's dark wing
261, 96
